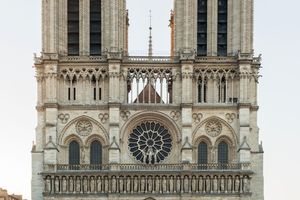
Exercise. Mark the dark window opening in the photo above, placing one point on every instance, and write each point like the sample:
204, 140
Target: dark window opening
96, 154
74, 155
95, 27
202, 28
100, 94
69, 94
223, 154
74, 94
202, 155
222, 27
73, 27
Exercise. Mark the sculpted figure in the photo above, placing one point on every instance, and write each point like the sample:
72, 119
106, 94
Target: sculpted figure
114, 185
71, 184
200, 186
207, 184
135, 184
150, 188
246, 184
56, 184
237, 184
171, 184
48, 185
178, 184
121, 184
229, 184
194, 184
106, 184
85, 184
78, 187
186, 184
164, 185
215, 184
99, 184
128, 184
64, 185
143, 183
157, 184
92, 186
222, 184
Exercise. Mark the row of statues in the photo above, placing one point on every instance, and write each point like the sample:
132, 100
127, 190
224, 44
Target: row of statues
147, 184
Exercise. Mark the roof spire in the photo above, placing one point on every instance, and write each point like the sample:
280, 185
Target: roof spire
150, 50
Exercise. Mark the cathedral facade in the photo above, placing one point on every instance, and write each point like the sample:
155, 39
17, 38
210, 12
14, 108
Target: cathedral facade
118, 126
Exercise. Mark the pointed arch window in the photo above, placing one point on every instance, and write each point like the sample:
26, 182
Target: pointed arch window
202, 154
73, 27
202, 28
223, 152
74, 154
96, 153
95, 27
222, 27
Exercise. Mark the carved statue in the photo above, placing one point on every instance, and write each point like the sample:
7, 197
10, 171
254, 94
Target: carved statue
222, 184
71, 184
200, 186
64, 184
48, 185
128, 184
178, 184
215, 184
82, 155
106, 184
143, 183
151, 155
78, 187
135, 184
99, 184
56, 185
171, 184
237, 184
194, 184
157, 184
121, 184
246, 184
114, 185
186, 184
92, 185
150, 188
207, 184
164, 185
229, 184
85, 184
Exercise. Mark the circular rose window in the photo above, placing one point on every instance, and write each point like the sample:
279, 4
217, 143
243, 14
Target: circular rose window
150, 142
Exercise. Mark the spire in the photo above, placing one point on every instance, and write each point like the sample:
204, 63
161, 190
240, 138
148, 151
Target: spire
150, 50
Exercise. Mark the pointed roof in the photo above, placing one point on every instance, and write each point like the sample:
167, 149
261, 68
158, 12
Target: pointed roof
144, 94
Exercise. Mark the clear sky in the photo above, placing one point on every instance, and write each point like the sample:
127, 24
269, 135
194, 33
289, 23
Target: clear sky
277, 37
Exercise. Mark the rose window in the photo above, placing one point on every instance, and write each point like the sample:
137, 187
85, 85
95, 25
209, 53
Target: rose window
150, 142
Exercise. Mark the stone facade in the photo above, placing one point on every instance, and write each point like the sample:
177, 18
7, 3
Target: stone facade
5, 196
150, 114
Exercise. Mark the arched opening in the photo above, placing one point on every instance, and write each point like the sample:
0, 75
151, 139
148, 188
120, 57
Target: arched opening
202, 155
74, 154
223, 152
96, 154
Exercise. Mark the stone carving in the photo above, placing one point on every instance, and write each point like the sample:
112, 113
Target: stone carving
103, 117
175, 115
125, 115
213, 128
84, 127
135, 184
197, 117
230, 117
64, 118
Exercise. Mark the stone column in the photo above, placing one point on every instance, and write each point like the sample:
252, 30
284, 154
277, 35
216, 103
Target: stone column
84, 23
212, 27
246, 28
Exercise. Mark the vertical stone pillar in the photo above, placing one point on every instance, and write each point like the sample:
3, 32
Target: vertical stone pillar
114, 110
246, 26
212, 27
186, 110
63, 28
84, 7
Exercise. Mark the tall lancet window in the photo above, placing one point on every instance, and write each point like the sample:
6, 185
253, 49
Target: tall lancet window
222, 27
74, 153
202, 28
202, 153
96, 153
73, 27
223, 152
95, 27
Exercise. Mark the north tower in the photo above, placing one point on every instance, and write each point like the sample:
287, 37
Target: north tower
116, 126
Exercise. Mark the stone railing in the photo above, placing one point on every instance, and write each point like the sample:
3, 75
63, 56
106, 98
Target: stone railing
83, 59
152, 59
214, 59
174, 183
147, 167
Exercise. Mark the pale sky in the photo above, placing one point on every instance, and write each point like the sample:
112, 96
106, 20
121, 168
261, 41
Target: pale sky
277, 37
